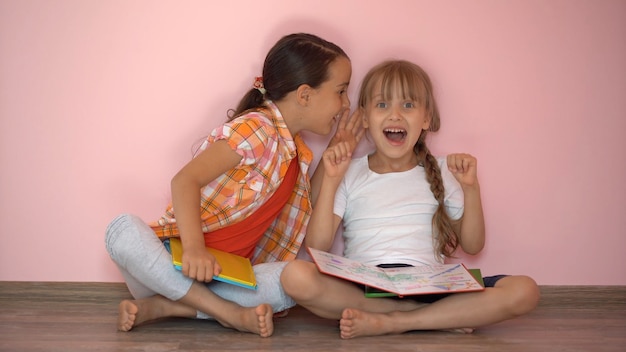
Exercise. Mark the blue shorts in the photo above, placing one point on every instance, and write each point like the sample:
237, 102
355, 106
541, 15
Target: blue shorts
489, 281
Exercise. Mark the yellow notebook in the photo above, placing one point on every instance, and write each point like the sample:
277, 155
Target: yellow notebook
236, 270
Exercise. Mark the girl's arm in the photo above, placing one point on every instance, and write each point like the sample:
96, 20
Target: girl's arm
215, 160
471, 228
349, 130
324, 223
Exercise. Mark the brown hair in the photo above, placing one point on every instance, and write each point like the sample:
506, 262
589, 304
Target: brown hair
413, 83
296, 59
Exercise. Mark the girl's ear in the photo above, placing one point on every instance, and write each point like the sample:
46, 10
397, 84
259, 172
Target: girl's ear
303, 94
427, 121
364, 118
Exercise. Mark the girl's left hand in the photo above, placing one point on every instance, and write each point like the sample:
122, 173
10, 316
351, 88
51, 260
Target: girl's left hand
349, 130
464, 168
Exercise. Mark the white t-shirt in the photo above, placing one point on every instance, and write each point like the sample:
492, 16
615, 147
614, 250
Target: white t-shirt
387, 218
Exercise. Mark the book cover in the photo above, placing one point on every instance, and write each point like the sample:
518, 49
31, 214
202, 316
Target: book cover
403, 281
236, 270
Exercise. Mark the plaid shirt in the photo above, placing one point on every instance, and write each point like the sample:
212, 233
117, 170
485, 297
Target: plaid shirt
266, 147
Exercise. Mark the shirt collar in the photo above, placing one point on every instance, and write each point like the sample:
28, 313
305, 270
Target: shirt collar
281, 127
295, 144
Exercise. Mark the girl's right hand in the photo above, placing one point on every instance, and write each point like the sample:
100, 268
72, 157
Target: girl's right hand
199, 264
337, 159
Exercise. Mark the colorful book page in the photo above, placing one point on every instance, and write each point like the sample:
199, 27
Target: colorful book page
403, 281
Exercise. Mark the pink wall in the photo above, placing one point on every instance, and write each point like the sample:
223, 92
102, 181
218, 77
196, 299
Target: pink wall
102, 101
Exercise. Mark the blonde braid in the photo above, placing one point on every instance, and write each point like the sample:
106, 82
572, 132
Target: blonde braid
445, 239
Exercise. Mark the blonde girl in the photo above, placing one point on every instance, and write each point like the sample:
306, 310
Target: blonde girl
400, 206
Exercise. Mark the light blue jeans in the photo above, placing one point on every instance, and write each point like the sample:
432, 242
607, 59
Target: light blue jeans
148, 270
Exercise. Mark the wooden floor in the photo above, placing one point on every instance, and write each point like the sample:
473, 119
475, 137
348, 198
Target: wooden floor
82, 317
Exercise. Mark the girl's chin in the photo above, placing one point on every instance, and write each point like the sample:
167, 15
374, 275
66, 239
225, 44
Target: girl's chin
325, 132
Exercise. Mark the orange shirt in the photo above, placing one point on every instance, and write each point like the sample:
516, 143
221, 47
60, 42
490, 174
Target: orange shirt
241, 238
267, 148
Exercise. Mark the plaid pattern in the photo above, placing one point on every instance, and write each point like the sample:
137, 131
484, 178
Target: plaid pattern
266, 147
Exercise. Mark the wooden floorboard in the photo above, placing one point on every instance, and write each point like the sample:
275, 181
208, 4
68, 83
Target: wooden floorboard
49, 316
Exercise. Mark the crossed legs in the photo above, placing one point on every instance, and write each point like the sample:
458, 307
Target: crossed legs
334, 298
256, 320
160, 291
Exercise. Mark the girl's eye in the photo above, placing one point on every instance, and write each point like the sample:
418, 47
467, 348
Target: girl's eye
409, 105
381, 105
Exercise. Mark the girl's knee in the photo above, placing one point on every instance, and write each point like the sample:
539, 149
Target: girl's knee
298, 278
531, 293
524, 294
114, 229
118, 233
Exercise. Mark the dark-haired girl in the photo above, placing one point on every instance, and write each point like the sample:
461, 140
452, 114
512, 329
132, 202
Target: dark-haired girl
246, 192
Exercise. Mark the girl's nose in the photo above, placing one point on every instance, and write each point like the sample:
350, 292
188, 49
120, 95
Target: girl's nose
346, 102
395, 113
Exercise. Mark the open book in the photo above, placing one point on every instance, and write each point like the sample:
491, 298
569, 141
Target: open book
236, 270
403, 281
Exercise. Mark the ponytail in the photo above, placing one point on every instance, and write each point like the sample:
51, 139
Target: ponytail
252, 100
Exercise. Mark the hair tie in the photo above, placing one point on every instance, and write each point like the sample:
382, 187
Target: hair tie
258, 85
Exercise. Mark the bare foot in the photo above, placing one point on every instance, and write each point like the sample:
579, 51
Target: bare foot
356, 323
126, 315
135, 312
257, 320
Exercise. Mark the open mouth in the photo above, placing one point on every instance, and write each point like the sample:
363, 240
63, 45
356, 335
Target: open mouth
395, 134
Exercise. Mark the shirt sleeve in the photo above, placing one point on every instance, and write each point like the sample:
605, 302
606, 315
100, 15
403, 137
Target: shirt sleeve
248, 136
347, 184
454, 197
339, 208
